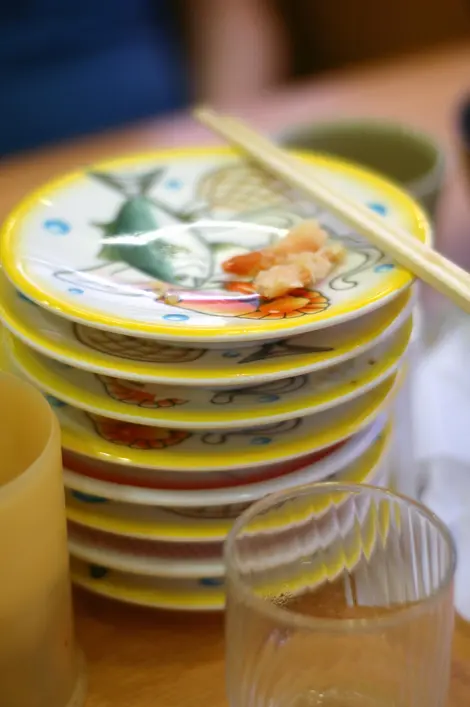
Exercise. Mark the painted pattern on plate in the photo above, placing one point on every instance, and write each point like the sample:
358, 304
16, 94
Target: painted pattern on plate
147, 241
184, 264
164, 448
150, 361
137, 394
135, 348
193, 408
137, 436
144, 437
149, 351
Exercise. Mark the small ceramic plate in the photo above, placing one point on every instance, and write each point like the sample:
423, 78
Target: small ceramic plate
172, 559
181, 450
146, 360
208, 593
168, 450
212, 524
136, 246
203, 594
145, 557
199, 408
118, 474
139, 486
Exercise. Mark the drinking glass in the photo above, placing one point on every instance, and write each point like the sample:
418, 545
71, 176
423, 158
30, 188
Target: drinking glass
339, 595
39, 662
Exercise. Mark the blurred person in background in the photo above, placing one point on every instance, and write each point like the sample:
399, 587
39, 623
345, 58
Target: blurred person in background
68, 68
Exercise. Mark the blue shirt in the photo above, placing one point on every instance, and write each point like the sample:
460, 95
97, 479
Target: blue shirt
70, 67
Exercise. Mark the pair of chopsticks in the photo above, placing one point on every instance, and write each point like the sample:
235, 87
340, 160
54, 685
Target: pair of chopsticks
417, 257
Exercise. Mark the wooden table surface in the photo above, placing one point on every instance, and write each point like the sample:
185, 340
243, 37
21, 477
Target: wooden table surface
139, 658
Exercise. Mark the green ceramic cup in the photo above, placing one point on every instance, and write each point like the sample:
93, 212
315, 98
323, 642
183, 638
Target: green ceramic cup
405, 155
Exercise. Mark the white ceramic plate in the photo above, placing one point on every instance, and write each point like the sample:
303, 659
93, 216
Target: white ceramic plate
180, 450
208, 593
145, 557
118, 574
136, 247
201, 525
200, 408
149, 361
118, 474
122, 489
203, 594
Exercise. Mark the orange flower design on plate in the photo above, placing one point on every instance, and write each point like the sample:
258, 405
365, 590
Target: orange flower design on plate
141, 437
135, 394
295, 304
245, 303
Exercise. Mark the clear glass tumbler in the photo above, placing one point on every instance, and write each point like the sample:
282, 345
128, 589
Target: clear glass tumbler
39, 662
339, 596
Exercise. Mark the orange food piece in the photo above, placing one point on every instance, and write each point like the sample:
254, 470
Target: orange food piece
299, 260
306, 237
249, 264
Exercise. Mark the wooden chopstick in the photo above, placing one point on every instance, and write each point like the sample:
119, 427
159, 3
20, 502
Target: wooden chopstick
422, 260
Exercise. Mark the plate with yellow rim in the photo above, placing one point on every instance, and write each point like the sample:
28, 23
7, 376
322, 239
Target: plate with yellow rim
208, 593
203, 594
148, 361
138, 486
136, 246
86, 469
182, 559
146, 557
201, 408
182, 524
166, 449
162, 448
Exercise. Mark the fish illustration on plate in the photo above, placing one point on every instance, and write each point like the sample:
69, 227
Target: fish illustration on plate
171, 252
175, 249
136, 236
180, 246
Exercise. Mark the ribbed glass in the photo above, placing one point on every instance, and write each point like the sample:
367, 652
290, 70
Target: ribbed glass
339, 596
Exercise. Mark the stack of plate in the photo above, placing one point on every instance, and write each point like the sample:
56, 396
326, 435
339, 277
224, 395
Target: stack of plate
183, 398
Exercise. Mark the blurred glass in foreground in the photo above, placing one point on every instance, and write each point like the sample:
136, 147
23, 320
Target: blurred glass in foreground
39, 662
339, 596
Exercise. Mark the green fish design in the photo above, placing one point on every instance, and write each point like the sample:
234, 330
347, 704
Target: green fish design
136, 217
194, 262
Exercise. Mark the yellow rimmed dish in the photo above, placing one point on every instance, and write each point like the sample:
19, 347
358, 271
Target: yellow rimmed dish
145, 557
135, 246
204, 594
148, 361
218, 450
192, 408
205, 524
208, 592
202, 490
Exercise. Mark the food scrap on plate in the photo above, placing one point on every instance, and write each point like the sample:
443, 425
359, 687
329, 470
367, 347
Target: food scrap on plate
305, 256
